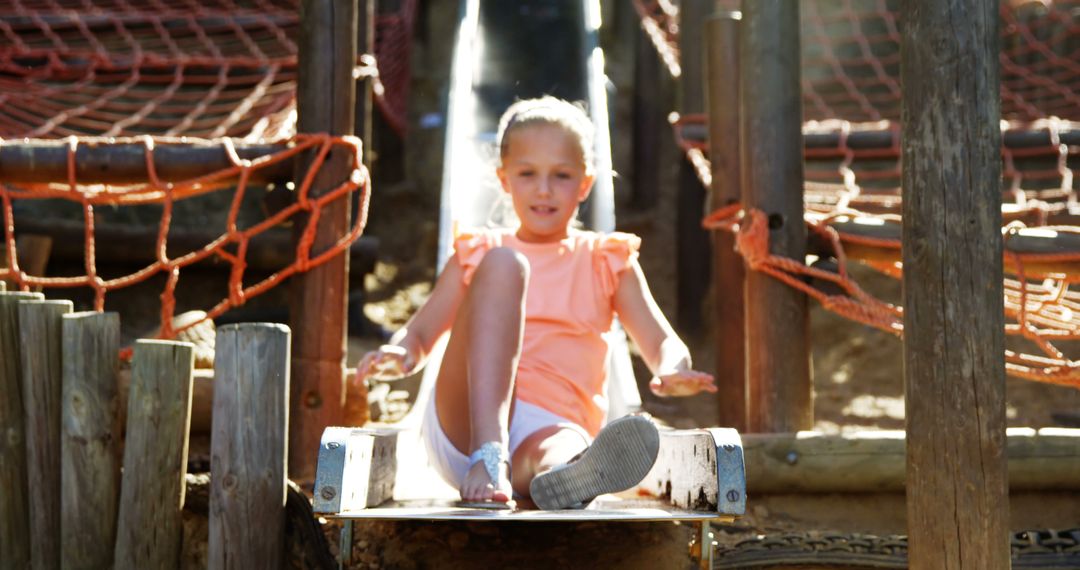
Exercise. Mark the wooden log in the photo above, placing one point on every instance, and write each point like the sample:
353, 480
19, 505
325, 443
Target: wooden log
89, 465
14, 509
40, 356
248, 446
729, 274
325, 103
953, 371
779, 389
149, 526
124, 161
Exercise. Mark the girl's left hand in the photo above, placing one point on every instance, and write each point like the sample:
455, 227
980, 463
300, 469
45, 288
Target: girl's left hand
682, 383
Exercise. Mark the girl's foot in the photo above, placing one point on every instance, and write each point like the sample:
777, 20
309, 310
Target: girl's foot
491, 459
620, 457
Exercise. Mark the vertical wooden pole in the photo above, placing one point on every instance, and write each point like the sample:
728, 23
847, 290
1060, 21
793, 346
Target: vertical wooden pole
248, 447
89, 465
42, 381
692, 242
722, 94
780, 392
14, 513
365, 43
957, 490
325, 103
650, 78
155, 455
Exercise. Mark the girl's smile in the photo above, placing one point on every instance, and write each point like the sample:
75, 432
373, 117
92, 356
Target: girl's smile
544, 172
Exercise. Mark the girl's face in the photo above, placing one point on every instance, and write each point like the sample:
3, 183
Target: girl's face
543, 170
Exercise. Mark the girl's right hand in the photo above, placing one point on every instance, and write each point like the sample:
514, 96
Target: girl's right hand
389, 362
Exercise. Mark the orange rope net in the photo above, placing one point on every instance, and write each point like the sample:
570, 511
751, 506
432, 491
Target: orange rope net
230, 247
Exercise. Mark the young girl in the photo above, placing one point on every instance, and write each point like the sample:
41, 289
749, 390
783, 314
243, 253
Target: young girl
519, 394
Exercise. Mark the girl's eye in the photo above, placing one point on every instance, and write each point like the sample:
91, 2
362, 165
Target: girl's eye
526, 173
562, 175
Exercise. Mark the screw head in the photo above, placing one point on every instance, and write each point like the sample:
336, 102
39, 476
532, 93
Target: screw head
327, 493
333, 445
732, 495
792, 458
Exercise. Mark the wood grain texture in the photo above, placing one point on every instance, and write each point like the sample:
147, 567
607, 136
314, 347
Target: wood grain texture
248, 446
149, 529
779, 390
729, 273
957, 489
14, 507
41, 359
89, 465
326, 94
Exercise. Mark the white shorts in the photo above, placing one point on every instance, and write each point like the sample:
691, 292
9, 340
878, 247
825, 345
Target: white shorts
452, 464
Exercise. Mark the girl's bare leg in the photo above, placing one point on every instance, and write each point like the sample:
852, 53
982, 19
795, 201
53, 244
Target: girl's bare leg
474, 389
542, 450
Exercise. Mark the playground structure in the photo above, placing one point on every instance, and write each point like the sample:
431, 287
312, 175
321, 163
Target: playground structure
313, 392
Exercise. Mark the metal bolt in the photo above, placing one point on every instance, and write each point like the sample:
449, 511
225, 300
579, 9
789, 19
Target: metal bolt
732, 495
792, 458
328, 493
333, 445
729, 447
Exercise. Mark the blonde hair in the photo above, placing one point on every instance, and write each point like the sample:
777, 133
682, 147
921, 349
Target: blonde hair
548, 110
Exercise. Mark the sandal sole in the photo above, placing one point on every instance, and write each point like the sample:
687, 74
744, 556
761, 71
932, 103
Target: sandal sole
620, 457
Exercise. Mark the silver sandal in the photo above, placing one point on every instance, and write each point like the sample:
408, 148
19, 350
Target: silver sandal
491, 453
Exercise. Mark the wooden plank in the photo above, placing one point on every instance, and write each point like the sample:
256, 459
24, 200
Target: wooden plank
357, 469
700, 470
89, 464
953, 371
729, 273
40, 356
149, 526
779, 390
14, 514
248, 446
325, 103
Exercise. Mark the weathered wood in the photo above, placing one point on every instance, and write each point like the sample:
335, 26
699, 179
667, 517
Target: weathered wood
89, 464
325, 103
651, 97
729, 273
248, 446
365, 44
357, 469
124, 161
779, 389
871, 462
700, 470
953, 371
42, 383
155, 455
14, 514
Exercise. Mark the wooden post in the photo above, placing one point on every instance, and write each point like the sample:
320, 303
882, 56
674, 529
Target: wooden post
729, 274
954, 372
155, 455
42, 382
14, 513
691, 241
89, 466
780, 392
325, 103
649, 110
365, 43
248, 447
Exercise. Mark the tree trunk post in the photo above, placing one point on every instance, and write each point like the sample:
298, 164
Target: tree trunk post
326, 94
14, 509
954, 373
42, 380
149, 527
729, 274
248, 447
89, 464
779, 389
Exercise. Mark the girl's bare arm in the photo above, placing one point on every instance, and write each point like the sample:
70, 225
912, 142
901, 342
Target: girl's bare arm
664, 353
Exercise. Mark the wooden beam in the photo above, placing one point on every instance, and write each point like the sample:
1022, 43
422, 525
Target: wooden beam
149, 525
90, 435
780, 391
953, 318
248, 447
40, 357
357, 469
325, 103
729, 273
123, 161
14, 508
700, 470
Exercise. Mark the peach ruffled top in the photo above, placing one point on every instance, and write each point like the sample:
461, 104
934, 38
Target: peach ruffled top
568, 314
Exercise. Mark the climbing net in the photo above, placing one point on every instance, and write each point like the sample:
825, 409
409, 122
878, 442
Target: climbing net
231, 247
202, 68
851, 103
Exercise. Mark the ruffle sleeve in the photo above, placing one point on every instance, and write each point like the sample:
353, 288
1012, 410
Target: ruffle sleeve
615, 252
470, 247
